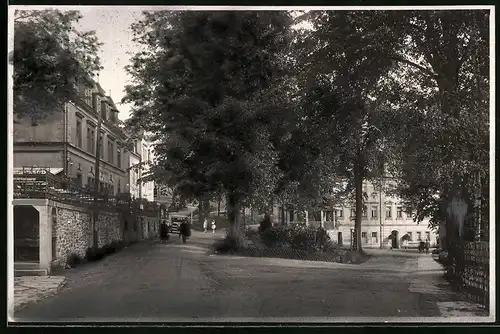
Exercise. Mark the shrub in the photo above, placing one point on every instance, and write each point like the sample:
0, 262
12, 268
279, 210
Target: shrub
94, 254
275, 236
265, 224
73, 260
227, 245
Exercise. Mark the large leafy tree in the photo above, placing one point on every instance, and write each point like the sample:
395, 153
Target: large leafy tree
50, 56
340, 109
199, 88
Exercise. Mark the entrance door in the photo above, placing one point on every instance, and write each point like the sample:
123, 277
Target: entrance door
26, 234
395, 239
340, 240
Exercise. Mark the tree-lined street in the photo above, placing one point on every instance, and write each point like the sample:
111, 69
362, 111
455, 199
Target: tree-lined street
176, 282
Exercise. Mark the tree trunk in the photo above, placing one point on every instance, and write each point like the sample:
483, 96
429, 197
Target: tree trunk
358, 182
233, 214
218, 207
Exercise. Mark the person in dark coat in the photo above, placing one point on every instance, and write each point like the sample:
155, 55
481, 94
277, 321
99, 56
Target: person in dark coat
164, 232
184, 231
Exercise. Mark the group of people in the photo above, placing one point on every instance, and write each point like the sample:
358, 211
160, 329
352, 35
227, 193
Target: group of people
184, 231
205, 226
423, 246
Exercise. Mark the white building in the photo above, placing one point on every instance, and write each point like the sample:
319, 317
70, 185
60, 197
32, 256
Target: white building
140, 158
385, 221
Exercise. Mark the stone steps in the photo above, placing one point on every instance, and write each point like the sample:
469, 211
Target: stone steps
30, 272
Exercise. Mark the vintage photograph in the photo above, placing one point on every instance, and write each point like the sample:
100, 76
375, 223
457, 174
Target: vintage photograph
251, 164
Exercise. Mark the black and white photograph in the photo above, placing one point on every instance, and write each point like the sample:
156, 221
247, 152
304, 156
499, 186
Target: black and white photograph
267, 165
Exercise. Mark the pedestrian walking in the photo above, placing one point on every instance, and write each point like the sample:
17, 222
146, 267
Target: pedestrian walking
183, 231
405, 244
213, 226
205, 225
164, 232
427, 246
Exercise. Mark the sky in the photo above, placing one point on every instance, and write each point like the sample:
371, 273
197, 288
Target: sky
112, 27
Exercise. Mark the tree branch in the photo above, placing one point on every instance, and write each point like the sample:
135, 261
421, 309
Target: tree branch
415, 65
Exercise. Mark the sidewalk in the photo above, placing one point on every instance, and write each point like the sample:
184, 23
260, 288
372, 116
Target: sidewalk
428, 279
30, 289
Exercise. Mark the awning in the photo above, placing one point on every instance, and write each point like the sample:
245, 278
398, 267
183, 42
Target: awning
36, 170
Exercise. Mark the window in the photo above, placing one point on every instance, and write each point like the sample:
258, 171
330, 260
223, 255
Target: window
409, 212
419, 236
329, 216
374, 237
410, 236
79, 179
88, 96
339, 213
399, 212
365, 214
90, 140
428, 236
111, 150
101, 186
119, 187
90, 182
374, 212
101, 147
364, 237
97, 106
388, 213
118, 158
353, 213
135, 146
103, 110
374, 234
79, 133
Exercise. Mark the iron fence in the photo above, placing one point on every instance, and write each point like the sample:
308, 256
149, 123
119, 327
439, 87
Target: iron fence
37, 182
468, 270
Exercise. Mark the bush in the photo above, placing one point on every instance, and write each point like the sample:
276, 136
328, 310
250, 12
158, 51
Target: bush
73, 260
94, 254
275, 236
265, 224
227, 245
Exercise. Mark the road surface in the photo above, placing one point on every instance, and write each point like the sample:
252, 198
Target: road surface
182, 282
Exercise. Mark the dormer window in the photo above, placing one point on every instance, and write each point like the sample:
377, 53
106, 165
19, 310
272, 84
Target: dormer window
88, 96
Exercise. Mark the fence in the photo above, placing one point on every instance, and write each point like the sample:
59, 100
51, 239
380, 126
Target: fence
468, 271
41, 183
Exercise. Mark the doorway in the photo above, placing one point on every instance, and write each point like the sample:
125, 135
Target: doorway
340, 240
395, 239
26, 234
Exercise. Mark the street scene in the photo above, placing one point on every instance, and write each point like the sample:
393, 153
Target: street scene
263, 166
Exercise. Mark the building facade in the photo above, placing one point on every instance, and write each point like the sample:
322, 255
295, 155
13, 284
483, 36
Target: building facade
68, 139
385, 221
140, 158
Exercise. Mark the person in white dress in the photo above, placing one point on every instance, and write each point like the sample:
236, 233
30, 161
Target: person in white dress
213, 226
205, 225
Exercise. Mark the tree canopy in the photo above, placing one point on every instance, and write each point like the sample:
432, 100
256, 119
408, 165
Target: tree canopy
50, 56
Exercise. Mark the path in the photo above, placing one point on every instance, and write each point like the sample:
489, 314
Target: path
176, 282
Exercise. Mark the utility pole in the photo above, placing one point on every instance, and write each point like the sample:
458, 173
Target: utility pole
97, 178
380, 214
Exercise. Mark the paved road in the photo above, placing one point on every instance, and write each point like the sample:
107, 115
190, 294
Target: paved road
176, 282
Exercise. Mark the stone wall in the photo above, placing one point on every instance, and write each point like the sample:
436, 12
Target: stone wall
73, 230
150, 227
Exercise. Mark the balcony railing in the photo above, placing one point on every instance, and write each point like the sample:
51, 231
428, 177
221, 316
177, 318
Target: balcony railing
39, 183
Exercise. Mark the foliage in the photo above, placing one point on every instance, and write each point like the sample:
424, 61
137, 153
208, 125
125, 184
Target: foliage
73, 260
230, 244
198, 87
265, 224
50, 58
295, 236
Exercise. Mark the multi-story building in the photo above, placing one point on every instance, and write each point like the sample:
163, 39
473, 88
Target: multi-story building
385, 221
140, 157
68, 138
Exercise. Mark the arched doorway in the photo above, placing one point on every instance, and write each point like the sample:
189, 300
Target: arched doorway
395, 239
26, 234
